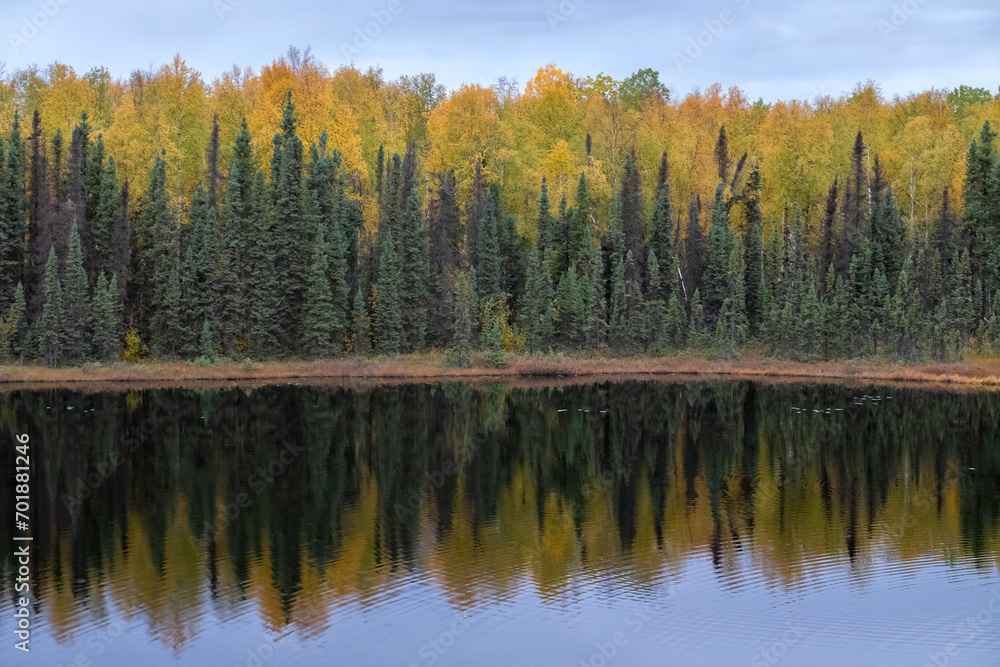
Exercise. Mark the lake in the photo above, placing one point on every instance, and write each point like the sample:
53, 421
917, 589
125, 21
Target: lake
611, 523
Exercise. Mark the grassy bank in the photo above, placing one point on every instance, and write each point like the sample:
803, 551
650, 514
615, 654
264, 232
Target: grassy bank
978, 373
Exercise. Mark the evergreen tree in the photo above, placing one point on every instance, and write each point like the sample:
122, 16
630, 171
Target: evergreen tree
360, 326
104, 320
853, 211
572, 309
627, 328
318, 317
654, 305
546, 226
887, 237
474, 215
158, 258
754, 257
487, 254
206, 342
597, 324
535, 305
720, 245
674, 328
694, 248
631, 214
42, 232
12, 211
175, 331
415, 255
288, 234
12, 326
495, 356
388, 313
460, 353
197, 271
579, 227
75, 299
906, 315
826, 230
105, 196
661, 242
52, 323
444, 227
697, 331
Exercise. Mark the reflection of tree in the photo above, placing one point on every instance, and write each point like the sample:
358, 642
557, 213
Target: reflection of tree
472, 488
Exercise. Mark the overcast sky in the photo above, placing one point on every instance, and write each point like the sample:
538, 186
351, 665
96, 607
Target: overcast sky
774, 50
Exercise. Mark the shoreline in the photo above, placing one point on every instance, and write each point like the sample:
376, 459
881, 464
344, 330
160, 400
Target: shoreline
978, 374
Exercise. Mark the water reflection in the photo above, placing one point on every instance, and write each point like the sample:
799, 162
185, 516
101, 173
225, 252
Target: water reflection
296, 513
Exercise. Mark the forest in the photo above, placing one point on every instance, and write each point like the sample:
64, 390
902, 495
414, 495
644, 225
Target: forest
299, 213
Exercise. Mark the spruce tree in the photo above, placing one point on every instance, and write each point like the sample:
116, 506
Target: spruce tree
631, 213
579, 227
176, 329
487, 254
197, 274
694, 249
75, 299
288, 234
12, 211
360, 326
826, 230
546, 226
206, 342
697, 331
674, 328
597, 324
444, 224
12, 326
654, 305
753, 260
495, 356
415, 255
906, 318
104, 320
720, 244
102, 225
158, 257
661, 242
318, 313
463, 317
42, 231
52, 323
887, 237
535, 306
388, 312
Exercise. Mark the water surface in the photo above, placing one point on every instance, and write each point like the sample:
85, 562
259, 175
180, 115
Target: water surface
632, 523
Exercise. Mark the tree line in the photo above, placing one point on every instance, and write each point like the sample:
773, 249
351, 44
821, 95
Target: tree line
277, 261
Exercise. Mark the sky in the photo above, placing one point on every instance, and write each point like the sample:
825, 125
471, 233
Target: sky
772, 50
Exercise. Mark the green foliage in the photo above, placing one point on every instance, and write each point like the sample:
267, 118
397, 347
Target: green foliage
104, 320
206, 342
495, 356
318, 317
388, 313
52, 323
12, 324
460, 352
75, 295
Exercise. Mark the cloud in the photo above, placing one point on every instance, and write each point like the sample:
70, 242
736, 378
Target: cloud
770, 49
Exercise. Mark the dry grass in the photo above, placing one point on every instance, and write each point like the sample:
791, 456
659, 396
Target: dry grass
976, 373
